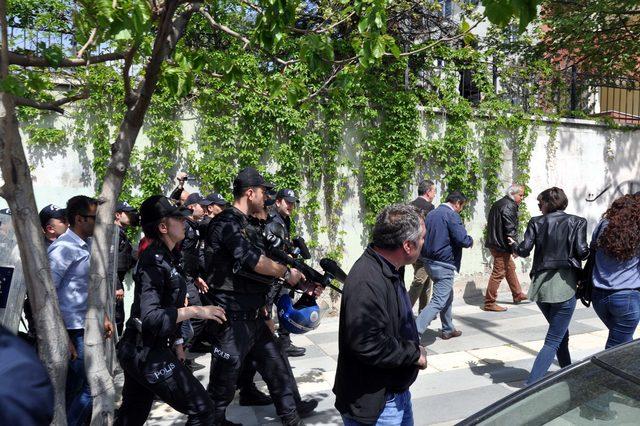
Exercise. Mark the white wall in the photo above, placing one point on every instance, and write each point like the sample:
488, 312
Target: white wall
585, 159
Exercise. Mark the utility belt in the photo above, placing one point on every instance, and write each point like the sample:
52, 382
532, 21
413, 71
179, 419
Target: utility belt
251, 315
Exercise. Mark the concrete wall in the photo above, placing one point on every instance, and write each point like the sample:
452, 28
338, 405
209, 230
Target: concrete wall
585, 159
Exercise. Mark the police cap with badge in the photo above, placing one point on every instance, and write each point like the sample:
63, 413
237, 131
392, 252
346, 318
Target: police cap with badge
214, 198
51, 212
287, 195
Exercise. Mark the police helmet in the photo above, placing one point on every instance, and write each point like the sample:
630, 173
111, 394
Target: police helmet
300, 317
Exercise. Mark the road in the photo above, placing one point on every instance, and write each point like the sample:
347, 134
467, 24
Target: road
490, 360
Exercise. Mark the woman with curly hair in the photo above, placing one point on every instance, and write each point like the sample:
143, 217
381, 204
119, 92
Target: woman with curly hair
616, 274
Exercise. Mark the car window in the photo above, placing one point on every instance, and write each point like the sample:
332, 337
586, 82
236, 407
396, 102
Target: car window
588, 395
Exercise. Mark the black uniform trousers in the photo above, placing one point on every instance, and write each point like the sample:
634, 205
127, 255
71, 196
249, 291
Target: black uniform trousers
250, 367
194, 300
172, 383
229, 350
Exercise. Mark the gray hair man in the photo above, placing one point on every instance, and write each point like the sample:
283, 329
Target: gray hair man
502, 224
421, 285
379, 351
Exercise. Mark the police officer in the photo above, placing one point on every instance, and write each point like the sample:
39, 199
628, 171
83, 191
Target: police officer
150, 367
126, 216
241, 277
280, 225
192, 255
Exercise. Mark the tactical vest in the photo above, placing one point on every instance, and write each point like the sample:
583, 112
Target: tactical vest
224, 275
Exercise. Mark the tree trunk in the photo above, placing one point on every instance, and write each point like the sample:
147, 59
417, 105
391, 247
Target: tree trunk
100, 379
52, 337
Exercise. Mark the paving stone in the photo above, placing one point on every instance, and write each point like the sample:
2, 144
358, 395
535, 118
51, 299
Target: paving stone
452, 360
447, 382
455, 405
500, 354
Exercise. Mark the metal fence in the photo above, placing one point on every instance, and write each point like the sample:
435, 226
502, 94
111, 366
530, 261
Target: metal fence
566, 93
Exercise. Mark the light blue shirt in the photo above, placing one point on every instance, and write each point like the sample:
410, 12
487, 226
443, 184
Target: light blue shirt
69, 262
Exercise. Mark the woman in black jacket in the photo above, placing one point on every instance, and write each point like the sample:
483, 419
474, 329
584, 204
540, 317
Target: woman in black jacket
560, 240
145, 353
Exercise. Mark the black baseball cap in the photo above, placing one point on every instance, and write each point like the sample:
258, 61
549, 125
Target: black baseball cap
124, 207
288, 195
51, 212
158, 206
249, 177
214, 198
194, 198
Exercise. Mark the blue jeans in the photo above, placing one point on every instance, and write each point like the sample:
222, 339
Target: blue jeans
441, 299
396, 412
78, 393
619, 311
556, 343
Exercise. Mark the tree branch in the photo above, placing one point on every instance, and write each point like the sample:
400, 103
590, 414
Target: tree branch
54, 105
36, 61
442, 40
128, 60
225, 29
247, 43
328, 81
92, 39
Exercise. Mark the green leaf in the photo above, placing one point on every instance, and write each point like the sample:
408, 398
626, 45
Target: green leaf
12, 85
363, 25
123, 35
53, 54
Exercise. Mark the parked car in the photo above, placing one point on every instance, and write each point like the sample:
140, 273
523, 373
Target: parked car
603, 389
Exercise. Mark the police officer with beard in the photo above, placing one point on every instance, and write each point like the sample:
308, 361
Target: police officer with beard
280, 224
192, 255
150, 367
241, 277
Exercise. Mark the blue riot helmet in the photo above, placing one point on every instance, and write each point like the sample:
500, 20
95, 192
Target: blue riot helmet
300, 317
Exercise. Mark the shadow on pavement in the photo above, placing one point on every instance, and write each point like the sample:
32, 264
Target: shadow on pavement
499, 372
472, 295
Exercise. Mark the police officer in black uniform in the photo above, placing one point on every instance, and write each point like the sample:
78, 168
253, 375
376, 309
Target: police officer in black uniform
192, 255
150, 367
241, 277
126, 216
280, 224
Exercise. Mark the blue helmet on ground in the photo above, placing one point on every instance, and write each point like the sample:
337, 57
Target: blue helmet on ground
300, 317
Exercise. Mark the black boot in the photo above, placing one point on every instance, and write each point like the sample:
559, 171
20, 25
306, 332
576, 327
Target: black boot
250, 395
292, 419
306, 407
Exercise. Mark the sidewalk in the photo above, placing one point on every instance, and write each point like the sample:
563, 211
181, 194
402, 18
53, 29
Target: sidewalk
490, 360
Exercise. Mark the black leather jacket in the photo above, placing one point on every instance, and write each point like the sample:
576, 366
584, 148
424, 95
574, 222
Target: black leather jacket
560, 240
502, 223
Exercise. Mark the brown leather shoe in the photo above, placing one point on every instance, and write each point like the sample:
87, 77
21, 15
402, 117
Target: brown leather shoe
520, 298
447, 336
494, 308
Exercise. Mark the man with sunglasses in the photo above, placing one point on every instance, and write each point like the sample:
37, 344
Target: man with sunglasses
69, 259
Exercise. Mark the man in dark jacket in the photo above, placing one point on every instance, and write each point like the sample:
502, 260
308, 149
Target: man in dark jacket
379, 352
421, 285
125, 216
442, 253
502, 224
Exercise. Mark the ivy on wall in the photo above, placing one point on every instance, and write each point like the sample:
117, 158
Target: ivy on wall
250, 121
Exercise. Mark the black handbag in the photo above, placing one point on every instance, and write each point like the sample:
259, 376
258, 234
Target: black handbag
584, 287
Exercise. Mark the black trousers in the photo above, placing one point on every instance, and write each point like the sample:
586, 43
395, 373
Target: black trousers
250, 368
161, 375
230, 349
194, 300
119, 316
